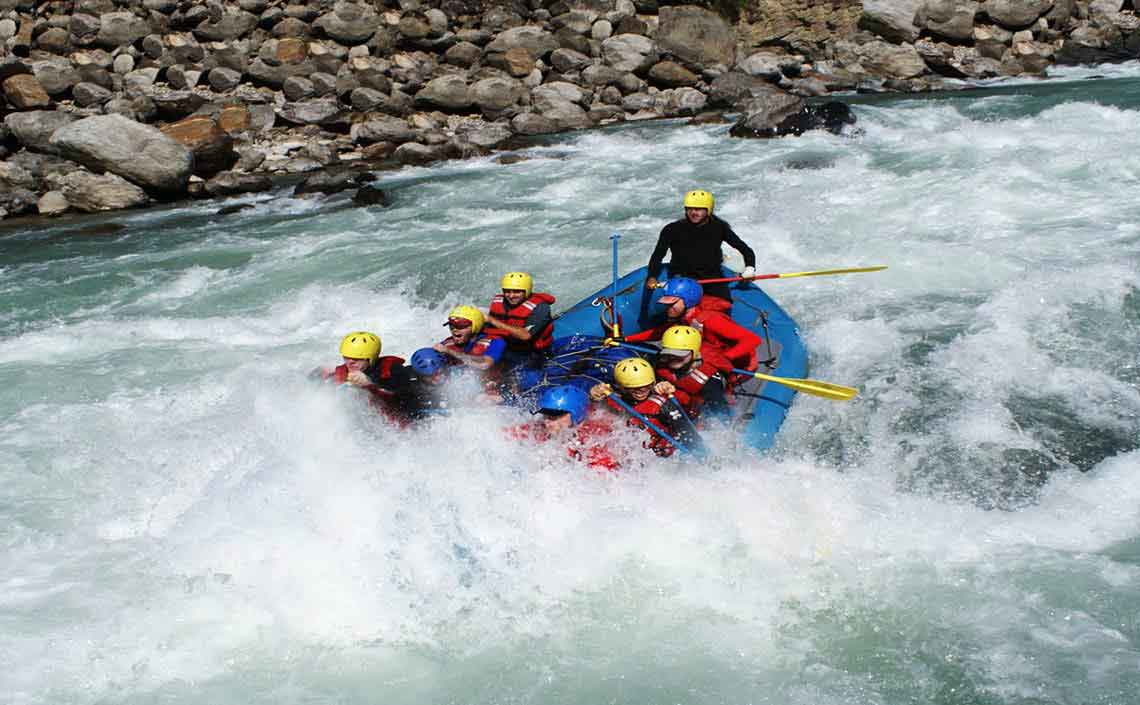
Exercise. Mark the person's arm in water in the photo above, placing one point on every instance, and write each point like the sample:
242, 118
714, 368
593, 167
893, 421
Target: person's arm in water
480, 361
655, 259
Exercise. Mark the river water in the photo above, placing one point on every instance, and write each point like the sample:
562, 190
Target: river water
187, 519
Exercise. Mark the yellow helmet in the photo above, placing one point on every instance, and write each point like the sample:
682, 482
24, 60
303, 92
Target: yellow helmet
682, 338
468, 313
700, 199
518, 280
633, 372
361, 345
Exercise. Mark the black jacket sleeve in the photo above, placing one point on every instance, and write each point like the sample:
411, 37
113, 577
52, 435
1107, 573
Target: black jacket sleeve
733, 240
659, 253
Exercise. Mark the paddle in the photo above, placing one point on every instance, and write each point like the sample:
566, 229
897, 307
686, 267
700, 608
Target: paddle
652, 428
615, 325
827, 390
688, 429
790, 275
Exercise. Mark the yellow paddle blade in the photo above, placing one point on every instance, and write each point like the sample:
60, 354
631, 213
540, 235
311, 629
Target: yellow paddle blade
849, 270
827, 390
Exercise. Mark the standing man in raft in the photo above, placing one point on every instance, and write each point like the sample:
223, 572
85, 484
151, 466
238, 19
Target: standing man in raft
694, 242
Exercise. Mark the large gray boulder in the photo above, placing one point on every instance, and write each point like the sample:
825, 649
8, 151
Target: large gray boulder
532, 124
565, 60
232, 25
57, 76
564, 114
763, 114
97, 192
486, 136
139, 153
382, 129
34, 128
892, 20
696, 35
1016, 14
496, 93
447, 92
630, 53
881, 58
274, 75
563, 90
118, 29
832, 116
536, 40
952, 19
680, 101
318, 111
735, 89
349, 23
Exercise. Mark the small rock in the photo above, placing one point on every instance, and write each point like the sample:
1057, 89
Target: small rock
24, 92
97, 192
369, 195
379, 150
532, 124
233, 208
463, 54
234, 118
325, 182
211, 146
416, 153
297, 88
88, 94
229, 183
123, 64
52, 203
367, 99
223, 79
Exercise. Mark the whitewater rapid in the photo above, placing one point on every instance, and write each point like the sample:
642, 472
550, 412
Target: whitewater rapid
188, 519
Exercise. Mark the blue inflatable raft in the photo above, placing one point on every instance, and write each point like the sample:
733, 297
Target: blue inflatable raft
760, 406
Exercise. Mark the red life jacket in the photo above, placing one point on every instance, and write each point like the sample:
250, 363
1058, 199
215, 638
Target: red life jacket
379, 370
384, 364
690, 383
649, 409
516, 317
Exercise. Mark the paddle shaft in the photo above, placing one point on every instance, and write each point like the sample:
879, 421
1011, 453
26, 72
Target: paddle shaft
616, 327
652, 428
790, 275
827, 390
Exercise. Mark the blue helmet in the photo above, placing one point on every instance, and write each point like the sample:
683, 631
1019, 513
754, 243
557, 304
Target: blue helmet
565, 397
427, 361
687, 290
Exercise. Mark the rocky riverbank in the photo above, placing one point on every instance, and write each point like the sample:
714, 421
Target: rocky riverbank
112, 104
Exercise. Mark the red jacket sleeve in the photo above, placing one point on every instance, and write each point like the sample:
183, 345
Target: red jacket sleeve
654, 333
744, 341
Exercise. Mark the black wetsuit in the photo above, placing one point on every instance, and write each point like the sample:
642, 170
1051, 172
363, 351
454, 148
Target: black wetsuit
696, 252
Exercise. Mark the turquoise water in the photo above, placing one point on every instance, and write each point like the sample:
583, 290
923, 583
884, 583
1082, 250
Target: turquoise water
187, 519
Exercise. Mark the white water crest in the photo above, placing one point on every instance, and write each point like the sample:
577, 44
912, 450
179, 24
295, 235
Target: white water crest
187, 518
